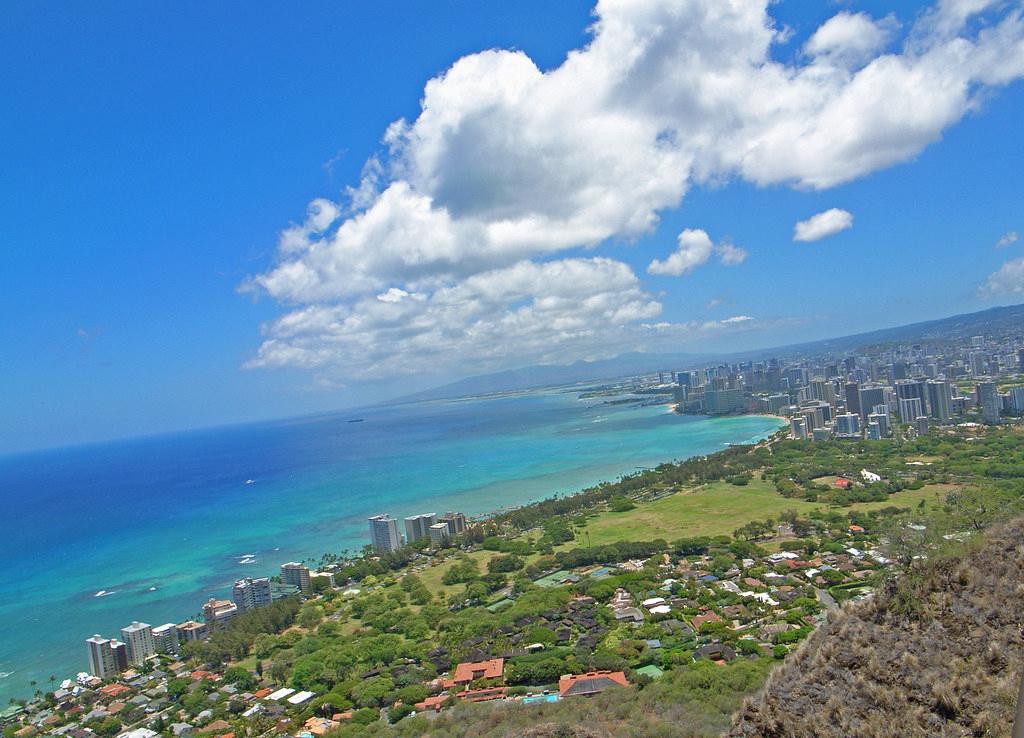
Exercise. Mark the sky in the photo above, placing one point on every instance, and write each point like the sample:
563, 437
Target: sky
219, 213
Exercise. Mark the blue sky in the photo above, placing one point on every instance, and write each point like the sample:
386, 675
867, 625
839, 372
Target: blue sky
153, 156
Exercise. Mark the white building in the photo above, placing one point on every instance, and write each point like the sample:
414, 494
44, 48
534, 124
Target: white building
166, 638
438, 534
384, 536
250, 593
418, 526
138, 637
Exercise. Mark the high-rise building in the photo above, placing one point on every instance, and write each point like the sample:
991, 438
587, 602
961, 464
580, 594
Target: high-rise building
101, 657
1017, 398
989, 402
250, 593
911, 409
297, 575
1020, 360
874, 431
938, 400
439, 534
979, 364
823, 391
138, 637
723, 401
852, 392
882, 421
922, 425
455, 521
384, 535
870, 396
166, 638
418, 526
798, 425
848, 425
120, 651
908, 389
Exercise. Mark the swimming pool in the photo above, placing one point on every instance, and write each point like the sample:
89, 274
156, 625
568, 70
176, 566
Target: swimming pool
537, 698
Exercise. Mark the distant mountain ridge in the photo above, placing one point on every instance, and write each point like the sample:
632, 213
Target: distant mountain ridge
552, 375
993, 320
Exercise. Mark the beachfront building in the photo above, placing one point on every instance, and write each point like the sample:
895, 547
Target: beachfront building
418, 526
798, 427
166, 638
102, 663
250, 593
439, 535
723, 401
138, 637
190, 630
384, 536
297, 575
217, 613
455, 521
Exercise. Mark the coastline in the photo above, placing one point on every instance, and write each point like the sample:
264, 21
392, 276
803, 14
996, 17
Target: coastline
698, 439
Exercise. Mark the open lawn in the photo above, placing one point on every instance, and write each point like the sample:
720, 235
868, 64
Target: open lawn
432, 575
717, 509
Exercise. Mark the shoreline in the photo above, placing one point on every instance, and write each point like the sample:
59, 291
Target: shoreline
622, 470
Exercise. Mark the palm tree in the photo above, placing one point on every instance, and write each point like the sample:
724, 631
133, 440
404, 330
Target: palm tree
53, 681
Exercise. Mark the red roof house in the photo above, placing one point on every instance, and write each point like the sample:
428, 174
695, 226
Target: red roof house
469, 671
590, 683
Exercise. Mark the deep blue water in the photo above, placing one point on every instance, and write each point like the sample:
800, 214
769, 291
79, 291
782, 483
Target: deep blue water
175, 512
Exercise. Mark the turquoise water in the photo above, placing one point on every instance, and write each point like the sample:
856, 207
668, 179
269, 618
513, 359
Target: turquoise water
540, 698
163, 523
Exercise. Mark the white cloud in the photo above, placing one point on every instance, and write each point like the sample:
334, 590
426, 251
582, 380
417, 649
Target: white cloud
731, 254
524, 312
694, 249
507, 164
851, 39
1008, 280
823, 225
1007, 239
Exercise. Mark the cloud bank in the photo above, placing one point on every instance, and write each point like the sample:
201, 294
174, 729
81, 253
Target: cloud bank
448, 254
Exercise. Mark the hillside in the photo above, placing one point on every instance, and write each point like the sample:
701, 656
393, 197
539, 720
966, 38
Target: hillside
939, 654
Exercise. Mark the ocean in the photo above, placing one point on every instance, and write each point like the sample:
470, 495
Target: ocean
148, 529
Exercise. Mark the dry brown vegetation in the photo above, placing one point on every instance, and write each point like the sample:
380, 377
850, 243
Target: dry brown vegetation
938, 654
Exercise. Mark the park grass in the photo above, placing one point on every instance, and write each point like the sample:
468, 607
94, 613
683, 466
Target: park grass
431, 576
718, 508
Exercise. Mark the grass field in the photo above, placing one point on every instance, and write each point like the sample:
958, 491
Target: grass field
716, 509
432, 575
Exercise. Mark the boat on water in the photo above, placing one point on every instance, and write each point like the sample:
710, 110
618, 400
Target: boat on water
103, 593
357, 420
250, 481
